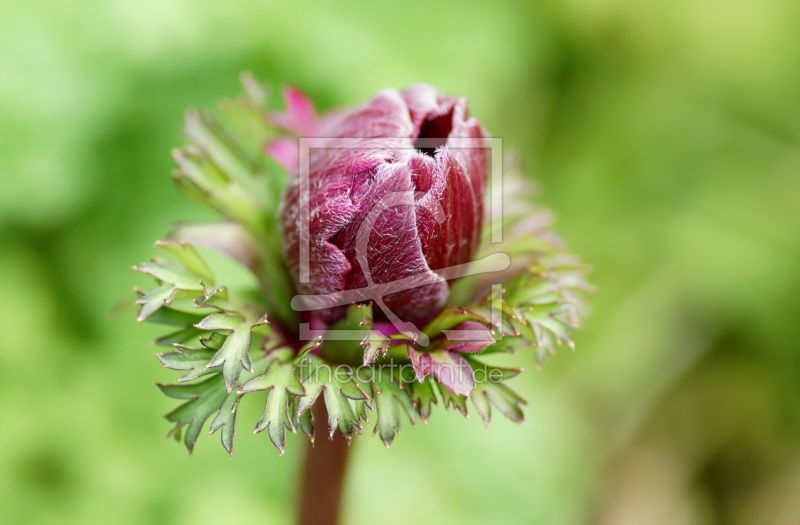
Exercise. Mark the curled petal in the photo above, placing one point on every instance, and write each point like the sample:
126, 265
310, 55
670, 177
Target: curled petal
384, 116
468, 145
449, 368
299, 116
328, 267
284, 150
382, 243
421, 100
469, 336
451, 239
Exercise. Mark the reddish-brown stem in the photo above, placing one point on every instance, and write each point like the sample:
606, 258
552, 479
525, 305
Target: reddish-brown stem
322, 483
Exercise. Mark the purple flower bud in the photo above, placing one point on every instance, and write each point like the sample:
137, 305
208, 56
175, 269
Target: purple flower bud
406, 204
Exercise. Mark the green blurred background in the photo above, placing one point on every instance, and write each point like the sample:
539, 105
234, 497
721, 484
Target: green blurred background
666, 136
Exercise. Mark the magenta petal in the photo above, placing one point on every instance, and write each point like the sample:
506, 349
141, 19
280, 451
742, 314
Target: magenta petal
385, 328
299, 116
470, 147
284, 150
328, 265
384, 116
449, 368
469, 336
421, 100
391, 242
422, 363
449, 239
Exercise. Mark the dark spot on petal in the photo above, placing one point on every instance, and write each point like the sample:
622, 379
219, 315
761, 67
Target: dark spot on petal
434, 131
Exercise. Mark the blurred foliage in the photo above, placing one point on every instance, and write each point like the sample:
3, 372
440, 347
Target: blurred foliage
665, 136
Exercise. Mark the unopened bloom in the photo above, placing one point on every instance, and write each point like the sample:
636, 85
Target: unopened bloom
381, 215
397, 209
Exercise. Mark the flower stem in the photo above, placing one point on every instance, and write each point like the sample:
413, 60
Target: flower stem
322, 482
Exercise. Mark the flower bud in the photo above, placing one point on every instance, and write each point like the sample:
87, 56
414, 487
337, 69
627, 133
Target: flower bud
381, 218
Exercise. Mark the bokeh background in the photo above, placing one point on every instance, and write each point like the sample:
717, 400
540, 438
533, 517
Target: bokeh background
665, 135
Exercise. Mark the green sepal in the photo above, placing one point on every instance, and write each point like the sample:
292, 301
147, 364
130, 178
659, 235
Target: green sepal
213, 341
203, 400
500, 314
484, 372
449, 318
423, 396
193, 360
177, 276
364, 383
374, 343
357, 324
189, 258
339, 390
175, 281
281, 383
488, 394
302, 421
153, 300
234, 354
225, 154
391, 401
449, 399
201, 180
225, 420
309, 346
181, 336
173, 317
